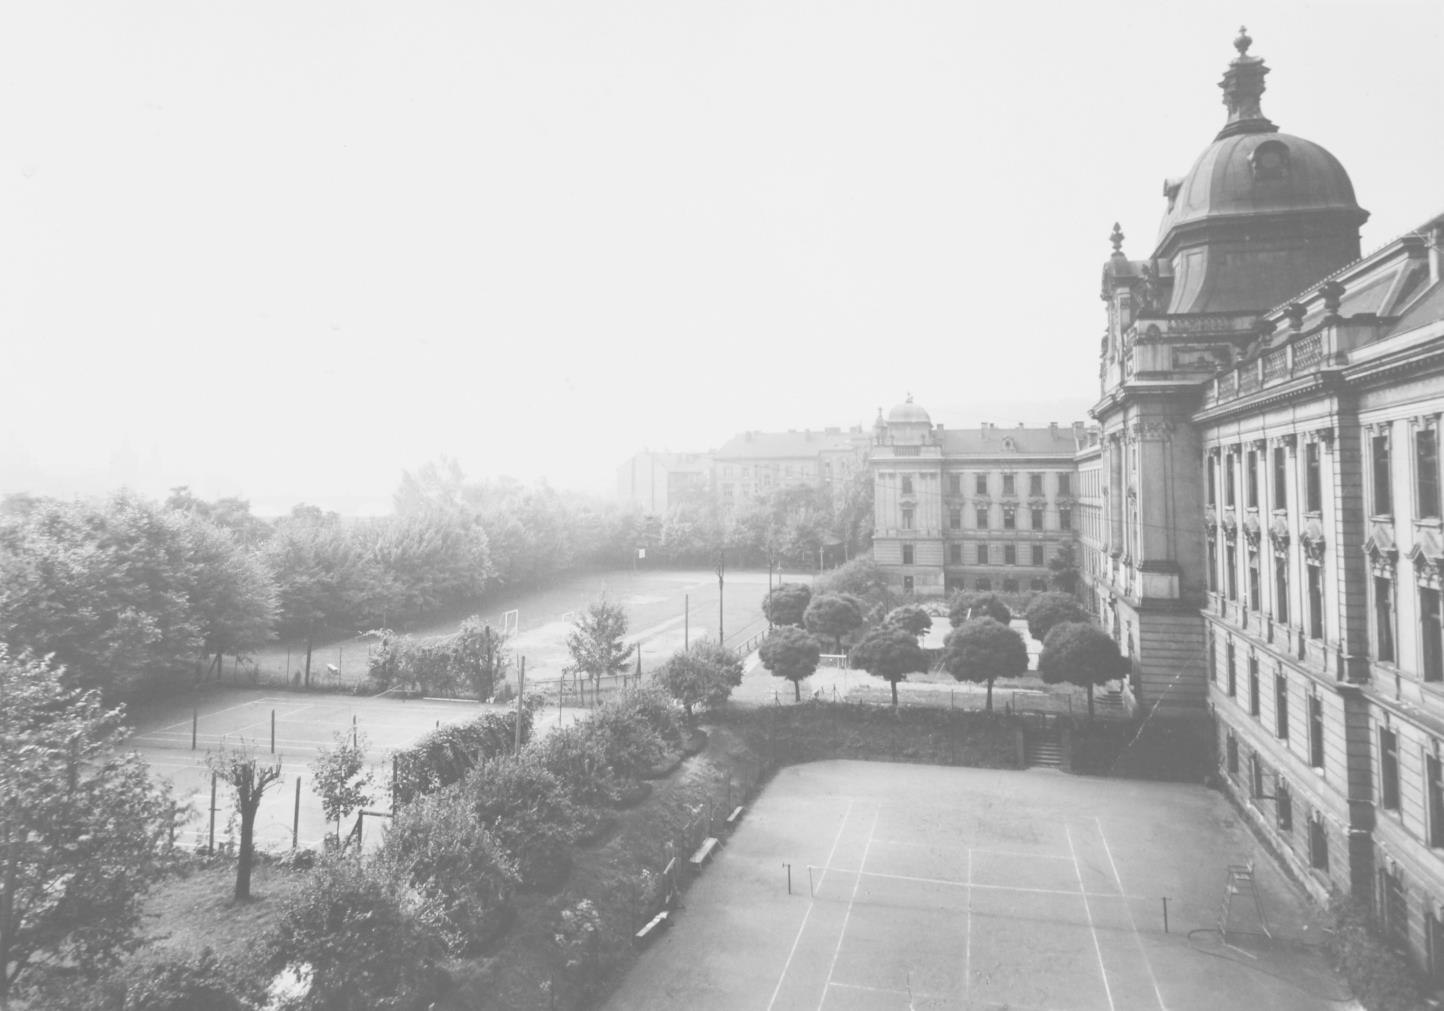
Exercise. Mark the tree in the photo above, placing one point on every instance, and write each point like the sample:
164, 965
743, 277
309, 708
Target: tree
983, 650
789, 652
861, 578
340, 778
82, 827
248, 779
230, 590
595, 642
1083, 654
701, 676
316, 574
913, 618
1049, 609
891, 653
786, 604
966, 606
481, 656
833, 614
1063, 570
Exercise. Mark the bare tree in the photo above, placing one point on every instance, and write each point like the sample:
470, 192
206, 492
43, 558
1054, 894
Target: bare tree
248, 779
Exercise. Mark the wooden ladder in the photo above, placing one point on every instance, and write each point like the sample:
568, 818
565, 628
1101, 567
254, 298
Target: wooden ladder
1241, 882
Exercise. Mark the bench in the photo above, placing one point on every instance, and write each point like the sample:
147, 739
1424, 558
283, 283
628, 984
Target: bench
655, 924
735, 816
703, 852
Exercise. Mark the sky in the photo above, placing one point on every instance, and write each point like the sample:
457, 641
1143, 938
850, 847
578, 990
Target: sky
288, 250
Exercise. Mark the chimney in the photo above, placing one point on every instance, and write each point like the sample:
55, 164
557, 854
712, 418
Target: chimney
940, 428
1078, 430
986, 425
1436, 255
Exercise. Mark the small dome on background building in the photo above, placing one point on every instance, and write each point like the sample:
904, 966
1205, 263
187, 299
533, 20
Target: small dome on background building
908, 413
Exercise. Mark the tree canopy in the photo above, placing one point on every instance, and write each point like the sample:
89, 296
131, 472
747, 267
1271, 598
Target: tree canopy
83, 829
1049, 609
966, 606
787, 603
1083, 654
983, 650
833, 615
891, 653
703, 675
913, 618
789, 652
595, 641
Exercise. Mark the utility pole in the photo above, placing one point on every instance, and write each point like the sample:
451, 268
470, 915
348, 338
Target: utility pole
520, 694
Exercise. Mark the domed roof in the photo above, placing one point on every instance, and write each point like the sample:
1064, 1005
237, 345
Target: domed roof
1259, 173
908, 413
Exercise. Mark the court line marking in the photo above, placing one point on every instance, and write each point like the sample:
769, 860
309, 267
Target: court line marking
977, 884
886, 989
1019, 854
968, 935
1087, 911
811, 902
841, 934
1147, 964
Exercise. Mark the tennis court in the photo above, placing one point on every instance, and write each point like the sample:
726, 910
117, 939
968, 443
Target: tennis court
917, 887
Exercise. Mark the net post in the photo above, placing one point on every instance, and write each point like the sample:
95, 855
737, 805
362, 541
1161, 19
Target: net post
811, 891
195, 722
296, 816
273, 731
789, 878
211, 839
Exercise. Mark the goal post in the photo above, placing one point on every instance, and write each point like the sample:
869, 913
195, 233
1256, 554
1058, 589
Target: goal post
509, 622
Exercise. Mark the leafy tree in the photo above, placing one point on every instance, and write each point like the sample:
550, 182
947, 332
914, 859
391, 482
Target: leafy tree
595, 642
789, 652
361, 936
1083, 654
317, 574
861, 578
529, 810
966, 606
1049, 609
1063, 570
786, 604
249, 778
231, 514
891, 653
983, 650
340, 778
853, 512
230, 590
912, 618
701, 676
833, 614
480, 652
82, 827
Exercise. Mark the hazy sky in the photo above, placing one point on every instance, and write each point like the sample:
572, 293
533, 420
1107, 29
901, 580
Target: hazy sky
288, 249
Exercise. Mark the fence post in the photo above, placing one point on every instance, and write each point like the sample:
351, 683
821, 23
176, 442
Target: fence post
273, 731
520, 694
211, 839
195, 721
296, 815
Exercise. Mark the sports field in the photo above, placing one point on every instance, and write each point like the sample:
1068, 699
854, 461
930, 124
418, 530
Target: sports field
919, 887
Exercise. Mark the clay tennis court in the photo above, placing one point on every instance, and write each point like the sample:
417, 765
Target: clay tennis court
917, 887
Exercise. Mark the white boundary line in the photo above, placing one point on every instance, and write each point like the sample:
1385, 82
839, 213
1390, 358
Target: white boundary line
977, 884
841, 934
1097, 949
912, 994
1131, 922
810, 903
968, 936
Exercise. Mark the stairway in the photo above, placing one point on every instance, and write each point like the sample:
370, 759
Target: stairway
1043, 746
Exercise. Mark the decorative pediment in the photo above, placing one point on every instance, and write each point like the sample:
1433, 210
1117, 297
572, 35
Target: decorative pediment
1279, 534
1381, 550
1039, 502
1312, 538
1210, 523
1230, 526
1252, 531
1427, 555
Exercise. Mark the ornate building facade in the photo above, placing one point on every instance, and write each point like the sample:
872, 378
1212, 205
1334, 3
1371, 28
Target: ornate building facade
1270, 546
980, 509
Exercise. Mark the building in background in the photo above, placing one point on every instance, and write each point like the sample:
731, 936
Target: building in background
1270, 544
755, 463
979, 509
656, 481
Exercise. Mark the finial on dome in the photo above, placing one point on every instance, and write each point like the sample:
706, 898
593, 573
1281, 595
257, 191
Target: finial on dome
910, 398
1117, 239
1243, 88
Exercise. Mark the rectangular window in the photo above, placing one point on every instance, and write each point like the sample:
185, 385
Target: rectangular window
1250, 479
955, 484
1230, 463
1008, 486
1316, 732
907, 554
1065, 484
1230, 575
1232, 669
1212, 573
1281, 590
1037, 585
1314, 501
955, 554
1281, 474
1010, 520
982, 554
955, 519
1010, 554
1037, 519
1429, 633
1434, 784
980, 484
1316, 601
1037, 554
1231, 755
1388, 770
1318, 844
1010, 586
907, 518
1395, 907
983, 584
1283, 806
1383, 619
1035, 484
1212, 480
907, 484
1212, 659
1255, 776
1065, 518
1281, 707
1383, 492
1253, 686
1434, 947
982, 518
1255, 594
1426, 465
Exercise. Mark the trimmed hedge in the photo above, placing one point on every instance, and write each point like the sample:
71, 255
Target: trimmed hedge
447, 754
1379, 976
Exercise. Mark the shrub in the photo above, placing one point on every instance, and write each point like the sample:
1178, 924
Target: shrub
628, 744
785, 605
470, 661
187, 983
577, 760
530, 811
701, 676
965, 606
1049, 609
1379, 976
445, 755
861, 578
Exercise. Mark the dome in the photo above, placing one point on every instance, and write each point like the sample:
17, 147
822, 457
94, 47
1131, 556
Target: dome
908, 413
1264, 173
